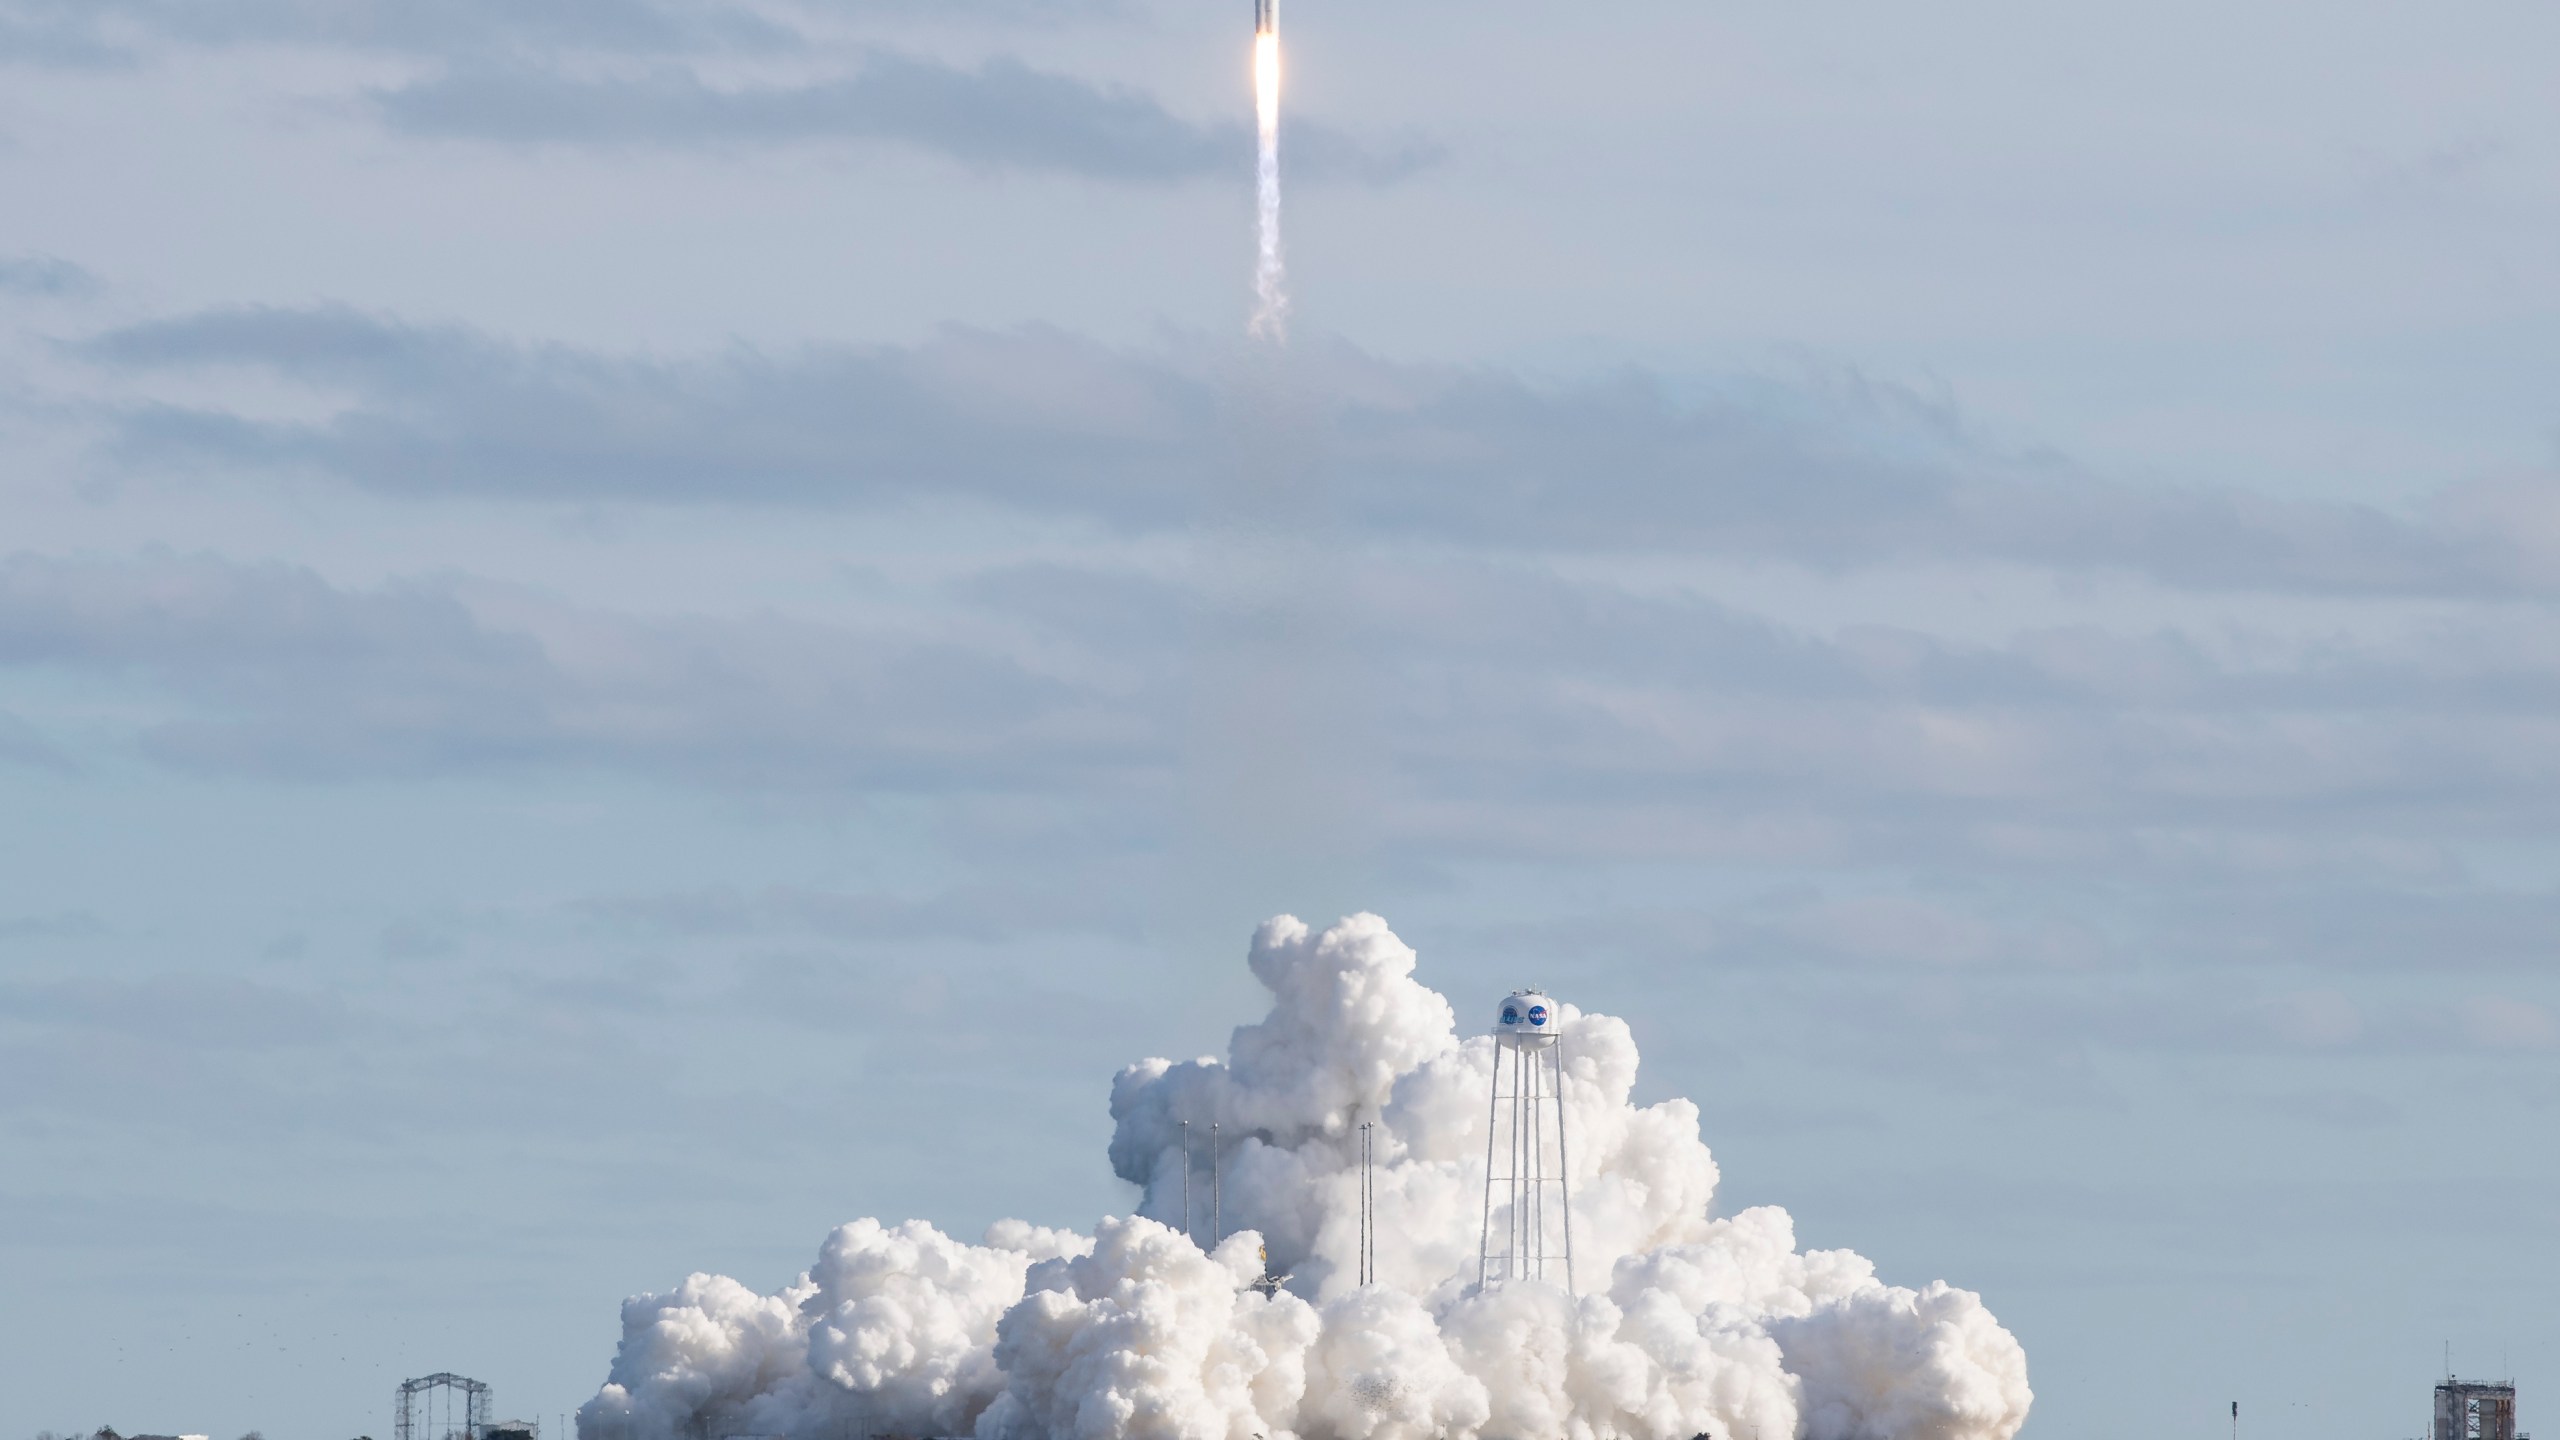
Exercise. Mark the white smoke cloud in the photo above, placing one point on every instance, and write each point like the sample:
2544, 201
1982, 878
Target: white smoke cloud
1678, 1324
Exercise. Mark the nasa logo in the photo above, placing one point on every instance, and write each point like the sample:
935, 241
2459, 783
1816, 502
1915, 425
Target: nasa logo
1537, 1014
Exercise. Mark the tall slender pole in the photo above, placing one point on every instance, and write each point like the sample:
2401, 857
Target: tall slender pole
1361, 1178
1217, 1216
1492, 1107
1564, 1167
1538, 1162
1369, 1204
1527, 1165
1519, 1179
1539, 1146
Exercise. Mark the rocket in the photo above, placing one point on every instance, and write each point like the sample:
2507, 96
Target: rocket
1266, 17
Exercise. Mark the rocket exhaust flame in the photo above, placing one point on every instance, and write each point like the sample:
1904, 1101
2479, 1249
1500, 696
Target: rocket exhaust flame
1271, 302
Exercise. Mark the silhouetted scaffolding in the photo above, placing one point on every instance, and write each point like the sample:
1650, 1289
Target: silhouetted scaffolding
428, 1407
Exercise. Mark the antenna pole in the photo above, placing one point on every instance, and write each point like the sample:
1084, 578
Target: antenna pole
1217, 1216
1537, 1164
1564, 1169
1492, 1107
1511, 1175
1363, 1177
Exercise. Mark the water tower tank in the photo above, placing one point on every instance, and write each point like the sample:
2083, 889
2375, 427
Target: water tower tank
1528, 1017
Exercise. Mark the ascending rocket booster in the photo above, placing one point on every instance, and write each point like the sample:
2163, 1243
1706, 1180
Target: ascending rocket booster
1266, 17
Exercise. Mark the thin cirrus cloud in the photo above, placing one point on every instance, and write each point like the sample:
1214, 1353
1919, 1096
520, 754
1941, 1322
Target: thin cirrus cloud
95, 32
189, 1011
1038, 419
273, 671
21, 743
1002, 115
980, 913
499, 77
1660, 727
44, 276
1829, 473
63, 924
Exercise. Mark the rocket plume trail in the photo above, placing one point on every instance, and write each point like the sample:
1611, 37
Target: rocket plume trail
1271, 302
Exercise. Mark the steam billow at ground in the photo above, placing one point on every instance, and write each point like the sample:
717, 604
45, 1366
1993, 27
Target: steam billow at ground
1685, 1324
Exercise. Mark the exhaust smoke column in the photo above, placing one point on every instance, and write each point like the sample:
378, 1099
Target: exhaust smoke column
1356, 1107
1271, 303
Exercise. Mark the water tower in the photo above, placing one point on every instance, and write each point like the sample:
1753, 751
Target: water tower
1528, 1209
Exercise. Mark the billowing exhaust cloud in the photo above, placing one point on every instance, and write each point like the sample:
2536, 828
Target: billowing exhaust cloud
1686, 1326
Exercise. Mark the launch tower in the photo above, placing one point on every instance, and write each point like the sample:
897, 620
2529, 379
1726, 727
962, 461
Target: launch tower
419, 1416
2475, 1410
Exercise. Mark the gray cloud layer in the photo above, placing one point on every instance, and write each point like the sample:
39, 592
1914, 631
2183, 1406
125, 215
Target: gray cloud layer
105, 31
43, 275
22, 744
284, 674
502, 79
1002, 115
1530, 716
1847, 473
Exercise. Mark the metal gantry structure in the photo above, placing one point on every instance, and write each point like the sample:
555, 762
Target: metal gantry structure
2475, 1410
427, 1405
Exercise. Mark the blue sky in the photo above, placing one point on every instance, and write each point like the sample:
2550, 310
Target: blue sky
631, 630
